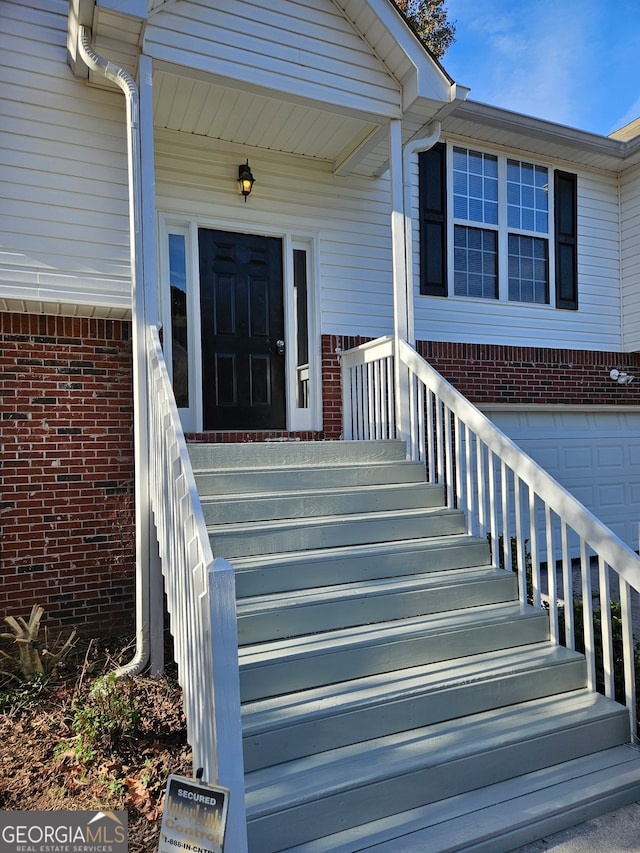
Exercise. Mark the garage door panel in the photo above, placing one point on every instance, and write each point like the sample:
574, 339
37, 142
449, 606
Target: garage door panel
595, 455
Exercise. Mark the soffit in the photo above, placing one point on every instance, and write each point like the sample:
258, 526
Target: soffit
255, 119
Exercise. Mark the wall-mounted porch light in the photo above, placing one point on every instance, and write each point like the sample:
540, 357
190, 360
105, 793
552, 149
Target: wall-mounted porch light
245, 180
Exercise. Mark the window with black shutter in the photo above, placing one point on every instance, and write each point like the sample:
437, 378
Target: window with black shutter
503, 231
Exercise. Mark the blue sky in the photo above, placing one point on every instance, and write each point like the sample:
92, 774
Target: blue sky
576, 62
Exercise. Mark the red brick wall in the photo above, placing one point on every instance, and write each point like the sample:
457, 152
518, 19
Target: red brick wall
524, 375
501, 374
67, 471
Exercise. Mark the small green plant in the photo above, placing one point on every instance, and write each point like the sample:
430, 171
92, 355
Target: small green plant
18, 696
109, 713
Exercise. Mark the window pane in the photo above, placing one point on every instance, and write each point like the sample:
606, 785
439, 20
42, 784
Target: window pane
527, 197
475, 186
301, 299
528, 269
475, 262
179, 342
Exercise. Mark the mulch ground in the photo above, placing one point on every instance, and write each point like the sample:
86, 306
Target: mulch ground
76, 741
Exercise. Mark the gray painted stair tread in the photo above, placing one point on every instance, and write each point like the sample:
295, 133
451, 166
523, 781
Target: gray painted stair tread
365, 635
267, 480
418, 545
227, 455
377, 587
305, 502
281, 711
276, 525
373, 489
334, 771
499, 817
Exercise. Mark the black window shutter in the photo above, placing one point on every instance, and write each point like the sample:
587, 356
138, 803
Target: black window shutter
566, 220
433, 221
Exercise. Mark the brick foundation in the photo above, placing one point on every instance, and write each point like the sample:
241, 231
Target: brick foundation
525, 375
67, 506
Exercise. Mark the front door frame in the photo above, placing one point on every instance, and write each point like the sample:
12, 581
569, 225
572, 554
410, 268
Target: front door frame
298, 419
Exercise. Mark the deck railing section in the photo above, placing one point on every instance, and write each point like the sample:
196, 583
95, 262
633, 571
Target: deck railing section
567, 560
201, 601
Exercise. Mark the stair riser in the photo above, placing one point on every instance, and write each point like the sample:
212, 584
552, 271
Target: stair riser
340, 809
306, 573
361, 724
282, 453
324, 616
343, 663
326, 476
248, 508
330, 534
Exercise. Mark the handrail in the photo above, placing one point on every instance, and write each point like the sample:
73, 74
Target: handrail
528, 518
201, 601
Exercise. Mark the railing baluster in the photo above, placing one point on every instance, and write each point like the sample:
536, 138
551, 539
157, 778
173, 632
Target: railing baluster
605, 627
504, 530
567, 584
458, 461
493, 522
413, 425
422, 433
533, 545
587, 616
431, 440
628, 654
469, 476
439, 443
480, 481
520, 557
449, 458
552, 586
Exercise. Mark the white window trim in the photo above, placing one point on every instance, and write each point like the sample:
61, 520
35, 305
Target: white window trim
192, 419
502, 228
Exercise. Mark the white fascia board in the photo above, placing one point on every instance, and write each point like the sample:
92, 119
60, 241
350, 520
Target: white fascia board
528, 128
428, 78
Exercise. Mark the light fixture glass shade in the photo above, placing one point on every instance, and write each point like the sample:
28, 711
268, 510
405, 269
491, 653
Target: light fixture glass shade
245, 179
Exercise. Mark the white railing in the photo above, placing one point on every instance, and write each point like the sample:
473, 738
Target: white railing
561, 551
200, 599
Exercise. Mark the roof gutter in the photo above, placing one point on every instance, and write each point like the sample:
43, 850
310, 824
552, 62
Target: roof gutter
118, 75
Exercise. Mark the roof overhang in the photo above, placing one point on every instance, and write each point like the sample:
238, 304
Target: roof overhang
347, 138
496, 126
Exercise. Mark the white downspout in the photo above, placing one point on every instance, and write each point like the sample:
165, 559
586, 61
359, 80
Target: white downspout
412, 148
126, 83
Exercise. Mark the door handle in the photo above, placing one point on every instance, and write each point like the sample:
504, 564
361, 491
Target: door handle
280, 345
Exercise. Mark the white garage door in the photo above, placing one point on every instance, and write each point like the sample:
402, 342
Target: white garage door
595, 455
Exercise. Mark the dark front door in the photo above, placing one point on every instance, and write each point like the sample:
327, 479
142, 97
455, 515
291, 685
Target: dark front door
241, 303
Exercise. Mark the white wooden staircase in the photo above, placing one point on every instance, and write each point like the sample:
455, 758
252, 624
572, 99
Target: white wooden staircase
395, 694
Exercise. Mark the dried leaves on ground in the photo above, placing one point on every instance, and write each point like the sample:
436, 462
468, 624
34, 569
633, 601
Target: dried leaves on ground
83, 740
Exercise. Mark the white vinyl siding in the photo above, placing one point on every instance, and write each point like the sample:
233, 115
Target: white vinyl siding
630, 219
306, 49
349, 216
596, 325
63, 171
